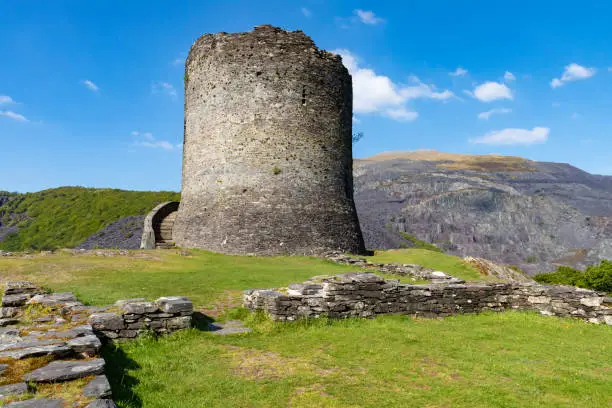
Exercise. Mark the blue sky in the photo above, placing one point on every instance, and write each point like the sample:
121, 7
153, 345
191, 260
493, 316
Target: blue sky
91, 92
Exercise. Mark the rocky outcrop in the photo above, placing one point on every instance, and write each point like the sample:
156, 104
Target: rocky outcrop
510, 210
367, 295
69, 336
125, 233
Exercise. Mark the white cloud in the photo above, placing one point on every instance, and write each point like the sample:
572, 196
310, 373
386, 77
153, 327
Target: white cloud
401, 114
146, 139
90, 85
13, 115
356, 120
368, 17
556, 104
512, 136
497, 111
178, 61
491, 91
575, 115
373, 93
5, 100
458, 72
573, 72
164, 87
306, 12
509, 77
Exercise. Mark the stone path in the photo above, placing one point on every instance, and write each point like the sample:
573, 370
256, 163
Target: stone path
229, 327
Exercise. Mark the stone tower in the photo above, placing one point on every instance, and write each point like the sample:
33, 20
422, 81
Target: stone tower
267, 161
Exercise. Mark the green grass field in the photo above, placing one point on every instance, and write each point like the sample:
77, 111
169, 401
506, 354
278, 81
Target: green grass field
489, 360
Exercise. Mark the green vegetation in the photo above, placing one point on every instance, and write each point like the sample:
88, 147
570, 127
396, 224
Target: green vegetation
439, 261
489, 360
66, 216
596, 277
418, 244
276, 170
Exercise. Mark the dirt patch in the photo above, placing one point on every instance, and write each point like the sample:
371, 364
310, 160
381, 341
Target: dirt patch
259, 365
227, 300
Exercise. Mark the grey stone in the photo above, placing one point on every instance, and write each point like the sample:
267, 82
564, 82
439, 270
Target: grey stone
87, 344
37, 403
3, 368
99, 387
122, 302
139, 308
174, 304
66, 370
7, 312
14, 345
54, 299
15, 288
15, 300
8, 322
228, 328
59, 350
178, 323
106, 321
102, 403
13, 389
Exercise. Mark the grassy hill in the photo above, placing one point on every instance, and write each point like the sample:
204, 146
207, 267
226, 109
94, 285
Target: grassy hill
65, 216
489, 360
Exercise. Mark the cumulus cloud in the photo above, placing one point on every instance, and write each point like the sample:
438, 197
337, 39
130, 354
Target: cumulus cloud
14, 116
497, 111
513, 136
146, 139
6, 100
458, 72
90, 85
163, 87
368, 17
373, 93
509, 77
306, 12
573, 72
491, 91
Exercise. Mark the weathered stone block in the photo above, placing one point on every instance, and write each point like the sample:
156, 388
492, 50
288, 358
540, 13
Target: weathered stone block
106, 321
174, 304
57, 371
99, 387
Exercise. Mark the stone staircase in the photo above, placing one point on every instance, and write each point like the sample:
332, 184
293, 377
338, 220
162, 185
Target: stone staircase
163, 231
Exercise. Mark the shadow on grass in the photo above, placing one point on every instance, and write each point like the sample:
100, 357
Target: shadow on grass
202, 322
117, 366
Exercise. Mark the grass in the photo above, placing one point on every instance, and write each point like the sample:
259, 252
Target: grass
489, 360
418, 244
66, 216
450, 264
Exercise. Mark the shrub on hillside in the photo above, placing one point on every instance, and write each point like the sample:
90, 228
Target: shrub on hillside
596, 277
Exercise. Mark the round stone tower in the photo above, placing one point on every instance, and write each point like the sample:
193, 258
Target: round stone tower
267, 161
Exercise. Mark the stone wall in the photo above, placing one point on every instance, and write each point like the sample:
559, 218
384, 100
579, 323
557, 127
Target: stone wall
267, 160
69, 335
152, 220
130, 318
366, 295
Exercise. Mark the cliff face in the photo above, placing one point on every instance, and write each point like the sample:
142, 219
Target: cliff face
531, 214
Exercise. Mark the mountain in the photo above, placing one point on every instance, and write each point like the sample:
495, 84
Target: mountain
535, 215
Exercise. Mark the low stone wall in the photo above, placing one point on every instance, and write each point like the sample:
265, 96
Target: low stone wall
366, 295
130, 318
69, 336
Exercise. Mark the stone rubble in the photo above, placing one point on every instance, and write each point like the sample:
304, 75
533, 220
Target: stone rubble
70, 334
366, 295
415, 271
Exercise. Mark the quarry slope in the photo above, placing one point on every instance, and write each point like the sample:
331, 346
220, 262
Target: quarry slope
507, 209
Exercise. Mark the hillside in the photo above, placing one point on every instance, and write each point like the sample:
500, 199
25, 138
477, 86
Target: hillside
508, 209
67, 216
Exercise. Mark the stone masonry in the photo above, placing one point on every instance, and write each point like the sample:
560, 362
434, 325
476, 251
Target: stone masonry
60, 339
366, 295
267, 160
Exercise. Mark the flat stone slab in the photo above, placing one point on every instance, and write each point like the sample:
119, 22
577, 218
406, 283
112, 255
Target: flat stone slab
15, 300
37, 403
13, 389
16, 344
8, 322
229, 327
86, 344
106, 321
99, 387
102, 403
59, 350
174, 304
16, 288
54, 299
57, 371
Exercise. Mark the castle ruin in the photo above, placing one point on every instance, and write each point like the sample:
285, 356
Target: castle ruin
267, 160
